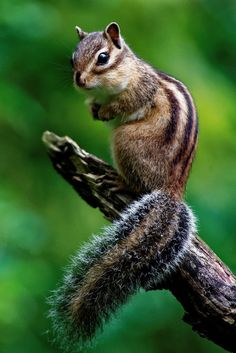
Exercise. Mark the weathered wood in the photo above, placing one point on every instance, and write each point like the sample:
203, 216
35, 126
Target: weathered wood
203, 284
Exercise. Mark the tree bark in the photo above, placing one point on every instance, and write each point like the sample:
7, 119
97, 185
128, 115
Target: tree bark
203, 284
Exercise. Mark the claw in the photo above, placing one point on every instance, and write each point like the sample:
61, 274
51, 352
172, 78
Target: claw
116, 185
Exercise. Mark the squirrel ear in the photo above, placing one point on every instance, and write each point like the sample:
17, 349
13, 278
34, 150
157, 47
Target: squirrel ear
81, 34
112, 31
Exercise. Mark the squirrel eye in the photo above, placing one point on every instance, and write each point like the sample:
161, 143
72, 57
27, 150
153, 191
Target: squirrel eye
103, 58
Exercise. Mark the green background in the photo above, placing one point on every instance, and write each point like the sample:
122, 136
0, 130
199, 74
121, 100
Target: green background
43, 221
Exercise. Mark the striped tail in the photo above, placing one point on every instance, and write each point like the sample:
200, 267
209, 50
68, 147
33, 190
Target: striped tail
140, 249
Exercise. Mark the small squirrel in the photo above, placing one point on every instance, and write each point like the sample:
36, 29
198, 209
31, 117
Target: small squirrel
154, 140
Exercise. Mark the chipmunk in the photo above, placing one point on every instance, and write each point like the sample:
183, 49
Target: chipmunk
153, 143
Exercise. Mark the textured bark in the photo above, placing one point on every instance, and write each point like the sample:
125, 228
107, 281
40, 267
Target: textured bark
203, 284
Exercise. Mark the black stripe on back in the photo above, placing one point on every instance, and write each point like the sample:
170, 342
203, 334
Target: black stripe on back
190, 155
188, 128
189, 125
175, 108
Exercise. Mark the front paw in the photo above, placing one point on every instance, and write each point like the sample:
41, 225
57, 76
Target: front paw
94, 109
105, 114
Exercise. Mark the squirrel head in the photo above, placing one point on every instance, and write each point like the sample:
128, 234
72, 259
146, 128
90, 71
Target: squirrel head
98, 61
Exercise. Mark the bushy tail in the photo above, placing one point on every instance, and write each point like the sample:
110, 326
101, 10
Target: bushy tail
138, 250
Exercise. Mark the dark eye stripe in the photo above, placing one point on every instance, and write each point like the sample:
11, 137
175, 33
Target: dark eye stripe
113, 65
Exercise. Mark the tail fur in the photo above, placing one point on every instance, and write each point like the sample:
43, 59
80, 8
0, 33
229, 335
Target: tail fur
140, 249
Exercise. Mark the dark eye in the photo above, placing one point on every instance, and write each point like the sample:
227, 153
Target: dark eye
103, 58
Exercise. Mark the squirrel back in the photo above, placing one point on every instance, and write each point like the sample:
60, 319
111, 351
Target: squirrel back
153, 144
155, 152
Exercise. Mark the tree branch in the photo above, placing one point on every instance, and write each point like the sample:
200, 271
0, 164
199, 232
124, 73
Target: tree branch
203, 284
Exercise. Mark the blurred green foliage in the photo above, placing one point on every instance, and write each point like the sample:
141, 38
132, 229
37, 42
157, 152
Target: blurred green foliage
43, 221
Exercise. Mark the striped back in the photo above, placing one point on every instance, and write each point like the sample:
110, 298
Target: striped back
187, 129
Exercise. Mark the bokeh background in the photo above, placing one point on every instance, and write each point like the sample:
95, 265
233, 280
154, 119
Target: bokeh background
42, 220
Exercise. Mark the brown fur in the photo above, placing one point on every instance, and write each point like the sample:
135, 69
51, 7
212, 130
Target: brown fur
113, 257
153, 144
155, 151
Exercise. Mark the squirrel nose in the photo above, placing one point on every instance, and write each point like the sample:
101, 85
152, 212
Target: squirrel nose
80, 81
